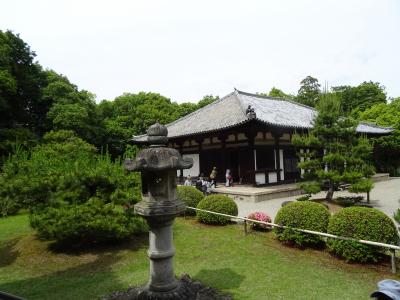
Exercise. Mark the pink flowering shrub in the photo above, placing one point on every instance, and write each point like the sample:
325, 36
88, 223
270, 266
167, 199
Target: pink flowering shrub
259, 216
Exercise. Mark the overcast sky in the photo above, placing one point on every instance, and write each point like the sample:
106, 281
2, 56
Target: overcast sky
187, 49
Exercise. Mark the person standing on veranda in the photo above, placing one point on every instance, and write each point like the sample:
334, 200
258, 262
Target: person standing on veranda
213, 177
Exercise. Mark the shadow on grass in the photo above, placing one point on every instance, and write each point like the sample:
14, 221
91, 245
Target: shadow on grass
223, 279
82, 282
7, 252
89, 280
135, 243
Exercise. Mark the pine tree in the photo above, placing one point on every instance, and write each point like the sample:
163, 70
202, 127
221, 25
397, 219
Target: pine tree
332, 153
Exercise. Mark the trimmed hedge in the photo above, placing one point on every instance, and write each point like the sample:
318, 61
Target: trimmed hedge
217, 203
361, 223
190, 196
92, 222
305, 215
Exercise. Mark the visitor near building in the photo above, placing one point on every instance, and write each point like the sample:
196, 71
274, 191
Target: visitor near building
228, 176
213, 177
188, 181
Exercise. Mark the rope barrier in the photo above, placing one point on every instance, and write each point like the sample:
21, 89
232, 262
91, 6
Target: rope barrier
393, 248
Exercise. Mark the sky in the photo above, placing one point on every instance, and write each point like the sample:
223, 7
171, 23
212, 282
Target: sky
187, 49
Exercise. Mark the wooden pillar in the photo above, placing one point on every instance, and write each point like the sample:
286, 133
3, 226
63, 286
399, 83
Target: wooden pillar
277, 158
253, 156
200, 142
180, 144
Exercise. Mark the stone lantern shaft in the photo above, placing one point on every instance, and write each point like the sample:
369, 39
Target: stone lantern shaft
159, 206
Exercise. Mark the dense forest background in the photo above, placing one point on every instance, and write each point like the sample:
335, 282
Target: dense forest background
61, 152
35, 101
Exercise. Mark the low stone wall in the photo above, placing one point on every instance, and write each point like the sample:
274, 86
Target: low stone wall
258, 196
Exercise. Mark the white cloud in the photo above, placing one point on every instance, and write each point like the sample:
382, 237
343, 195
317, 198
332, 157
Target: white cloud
187, 49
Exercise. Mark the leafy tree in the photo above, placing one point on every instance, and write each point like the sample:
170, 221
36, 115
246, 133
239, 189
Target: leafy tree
71, 109
386, 148
277, 93
132, 114
187, 108
21, 80
309, 92
65, 170
336, 154
359, 98
208, 99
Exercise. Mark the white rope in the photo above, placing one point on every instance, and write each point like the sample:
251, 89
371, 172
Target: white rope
328, 235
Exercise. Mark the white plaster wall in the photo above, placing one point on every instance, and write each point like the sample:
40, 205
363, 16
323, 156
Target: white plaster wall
195, 169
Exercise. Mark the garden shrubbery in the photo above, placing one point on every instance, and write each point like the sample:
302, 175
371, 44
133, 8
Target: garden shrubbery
361, 223
71, 191
86, 223
190, 196
216, 203
305, 215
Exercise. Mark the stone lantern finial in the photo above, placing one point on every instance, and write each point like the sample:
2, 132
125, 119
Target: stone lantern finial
157, 135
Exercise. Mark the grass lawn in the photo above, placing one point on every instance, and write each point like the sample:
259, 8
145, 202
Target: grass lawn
255, 266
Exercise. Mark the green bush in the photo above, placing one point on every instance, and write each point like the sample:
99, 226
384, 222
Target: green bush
305, 215
8, 206
64, 169
216, 203
92, 222
361, 223
190, 196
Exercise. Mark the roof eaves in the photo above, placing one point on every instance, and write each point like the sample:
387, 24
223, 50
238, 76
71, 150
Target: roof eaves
281, 125
376, 126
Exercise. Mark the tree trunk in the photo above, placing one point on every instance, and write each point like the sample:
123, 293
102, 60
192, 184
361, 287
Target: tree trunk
368, 197
329, 195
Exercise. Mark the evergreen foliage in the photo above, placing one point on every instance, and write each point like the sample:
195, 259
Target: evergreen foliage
386, 148
304, 215
364, 224
90, 222
190, 196
309, 92
336, 155
216, 203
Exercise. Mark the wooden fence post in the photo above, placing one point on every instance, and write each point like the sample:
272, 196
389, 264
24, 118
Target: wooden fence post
393, 260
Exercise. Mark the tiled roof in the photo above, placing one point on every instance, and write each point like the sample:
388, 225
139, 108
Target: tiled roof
373, 128
230, 111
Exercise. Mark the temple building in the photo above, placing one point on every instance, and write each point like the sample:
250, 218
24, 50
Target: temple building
248, 134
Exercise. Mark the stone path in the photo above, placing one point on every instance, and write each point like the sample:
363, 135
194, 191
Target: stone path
385, 196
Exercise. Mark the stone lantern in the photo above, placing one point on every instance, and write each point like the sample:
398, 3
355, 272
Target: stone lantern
159, 206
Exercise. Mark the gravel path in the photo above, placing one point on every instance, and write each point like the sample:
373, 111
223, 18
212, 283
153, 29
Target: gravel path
385, 196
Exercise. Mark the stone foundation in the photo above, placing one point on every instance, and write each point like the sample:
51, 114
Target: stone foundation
187, 289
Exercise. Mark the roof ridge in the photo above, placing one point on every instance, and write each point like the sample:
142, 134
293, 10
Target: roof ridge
241, 104
199, 110
275, 98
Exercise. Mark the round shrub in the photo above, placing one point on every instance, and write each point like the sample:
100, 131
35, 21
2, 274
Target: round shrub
190, 196
87, 223
259, 216
217, 203
305, 215
361, 223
